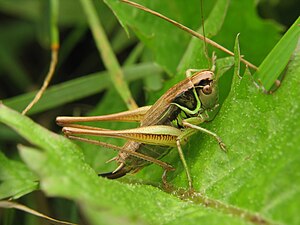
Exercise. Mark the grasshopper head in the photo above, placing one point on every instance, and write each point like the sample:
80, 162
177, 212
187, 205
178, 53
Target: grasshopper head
207, 89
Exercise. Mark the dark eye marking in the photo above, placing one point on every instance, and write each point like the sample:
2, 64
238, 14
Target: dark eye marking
207, 89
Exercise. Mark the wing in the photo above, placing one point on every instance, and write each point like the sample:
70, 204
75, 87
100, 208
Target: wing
162, 107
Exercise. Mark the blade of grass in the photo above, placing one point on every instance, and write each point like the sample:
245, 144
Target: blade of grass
275, 63
134, 55
120, 41
107, 54
15, 73
54, 36
79, 88
15, 205
70, 42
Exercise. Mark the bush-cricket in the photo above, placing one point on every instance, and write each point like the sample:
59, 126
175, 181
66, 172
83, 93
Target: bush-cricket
168, 123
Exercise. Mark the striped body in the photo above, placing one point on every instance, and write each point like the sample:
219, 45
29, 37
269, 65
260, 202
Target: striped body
166, 111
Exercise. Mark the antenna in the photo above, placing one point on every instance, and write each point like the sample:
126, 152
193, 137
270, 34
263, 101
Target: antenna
203, 32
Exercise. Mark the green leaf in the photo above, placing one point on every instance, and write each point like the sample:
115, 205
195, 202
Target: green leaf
254, 176
16, 179
257, 36
64, 173
275, 63
256, 182
160, 36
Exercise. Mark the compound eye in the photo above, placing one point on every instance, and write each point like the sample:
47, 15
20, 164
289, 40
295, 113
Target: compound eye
207, 89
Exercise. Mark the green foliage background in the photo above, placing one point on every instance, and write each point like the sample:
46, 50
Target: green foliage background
257, 181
